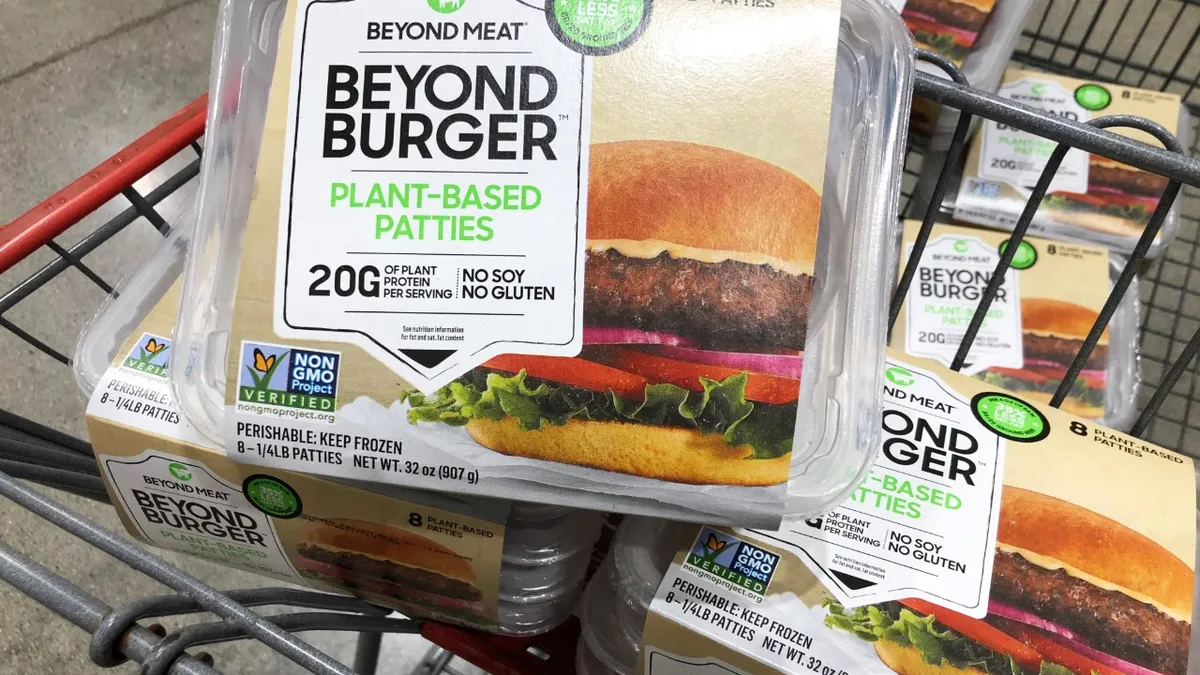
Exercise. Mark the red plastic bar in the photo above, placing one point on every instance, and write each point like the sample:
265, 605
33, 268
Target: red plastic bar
73, 203
509, 656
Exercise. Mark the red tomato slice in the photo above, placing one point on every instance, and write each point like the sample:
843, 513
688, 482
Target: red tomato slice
759, 386
1061, 654
573, 372
981, 632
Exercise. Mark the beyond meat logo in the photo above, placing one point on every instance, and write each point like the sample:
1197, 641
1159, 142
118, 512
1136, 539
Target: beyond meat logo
730, 559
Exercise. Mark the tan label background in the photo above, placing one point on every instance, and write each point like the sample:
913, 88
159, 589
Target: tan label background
757, 80
321, 498
1160, 107
1141, 486
1075, 273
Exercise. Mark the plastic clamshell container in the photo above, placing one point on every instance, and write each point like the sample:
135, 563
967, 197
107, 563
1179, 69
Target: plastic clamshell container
935, 157
1124, 354
837, 427
547, 549
587, 663
136, 295
985, 64
612, 646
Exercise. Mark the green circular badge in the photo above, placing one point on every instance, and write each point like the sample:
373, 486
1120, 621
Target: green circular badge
446, 6
1010, 417
1093, 97
272, 496
598, 27
1025, 256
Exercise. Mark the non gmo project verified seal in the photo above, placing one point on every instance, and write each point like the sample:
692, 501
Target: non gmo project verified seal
740, 564
289, 377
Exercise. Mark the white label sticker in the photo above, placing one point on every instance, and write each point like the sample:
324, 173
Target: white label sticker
434, 192
720, 591
923, 524
951, 277
1017, 157
182, 505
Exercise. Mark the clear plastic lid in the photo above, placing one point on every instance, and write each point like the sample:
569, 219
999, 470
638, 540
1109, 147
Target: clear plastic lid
1124, 355
613, 647
586, 662
1043, 224
527, 585
837, 426
641, 553
524, 620
535, 543
135, 296
985, 64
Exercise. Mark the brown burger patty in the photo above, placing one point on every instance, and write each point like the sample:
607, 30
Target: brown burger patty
1129, 181
1110, 621
1063, 350
728, 305
430, 582
954, 14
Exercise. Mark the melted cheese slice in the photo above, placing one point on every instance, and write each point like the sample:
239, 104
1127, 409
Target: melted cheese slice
647, 249
1055, 564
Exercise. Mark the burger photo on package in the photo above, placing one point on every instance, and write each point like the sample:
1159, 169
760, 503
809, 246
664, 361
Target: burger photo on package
698, 284
948, 27
1073, 593
1053, 333
374, 560
1119, 200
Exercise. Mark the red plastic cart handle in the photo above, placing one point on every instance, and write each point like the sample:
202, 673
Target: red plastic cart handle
71, 204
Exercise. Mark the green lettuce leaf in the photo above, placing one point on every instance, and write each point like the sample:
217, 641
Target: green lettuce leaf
938, 645
720, 408
1136, 213
1079, 389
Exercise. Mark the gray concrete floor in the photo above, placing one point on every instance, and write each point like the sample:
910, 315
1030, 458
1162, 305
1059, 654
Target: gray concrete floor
79, 79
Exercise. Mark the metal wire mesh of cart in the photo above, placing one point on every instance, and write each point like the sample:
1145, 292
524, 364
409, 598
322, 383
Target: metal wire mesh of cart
33, 452
1152, 45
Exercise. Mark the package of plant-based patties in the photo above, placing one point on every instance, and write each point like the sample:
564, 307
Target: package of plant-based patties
1092, 199
994, 536
1035, 326
586, 253
489, 564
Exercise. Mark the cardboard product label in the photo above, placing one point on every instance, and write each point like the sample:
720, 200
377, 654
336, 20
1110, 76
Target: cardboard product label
422, 554
455, 175
951, 278
1018, 157
1047, 305
1091, 197
463, 194
1091, 556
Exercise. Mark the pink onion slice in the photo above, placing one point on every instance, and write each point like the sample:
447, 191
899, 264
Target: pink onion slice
1028, 619
594, 335
1060, 368
784, 365
1067, 637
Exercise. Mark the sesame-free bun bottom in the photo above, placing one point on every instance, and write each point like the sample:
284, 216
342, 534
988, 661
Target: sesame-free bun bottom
664, 453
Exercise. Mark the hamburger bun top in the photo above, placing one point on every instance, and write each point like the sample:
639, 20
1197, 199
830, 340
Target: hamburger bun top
981, 5
1058, 535
700, 197
386, 544
1101, 160
909, 661
1042, 316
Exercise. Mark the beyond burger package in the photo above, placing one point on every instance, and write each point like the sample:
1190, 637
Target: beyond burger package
1081, 563
1092, 199
983, 64
538, 250
513, 568
1035, 326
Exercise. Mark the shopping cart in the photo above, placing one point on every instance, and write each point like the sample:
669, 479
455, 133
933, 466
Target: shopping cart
1149, 46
